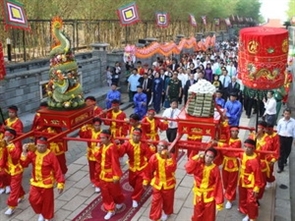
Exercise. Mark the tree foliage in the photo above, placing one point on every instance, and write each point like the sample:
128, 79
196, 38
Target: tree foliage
178, 10
291, 9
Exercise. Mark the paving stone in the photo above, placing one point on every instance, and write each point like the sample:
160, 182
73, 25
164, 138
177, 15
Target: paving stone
61, 215
69, 194
73, 168
78, 176
75, 203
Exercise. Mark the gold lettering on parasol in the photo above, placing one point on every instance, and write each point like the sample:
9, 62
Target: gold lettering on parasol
253, 47
285, 46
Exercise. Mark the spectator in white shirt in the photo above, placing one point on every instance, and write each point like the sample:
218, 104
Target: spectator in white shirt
270, 108
172, 113
231, 69
286, 132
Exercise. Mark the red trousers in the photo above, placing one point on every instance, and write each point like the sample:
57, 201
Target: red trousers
111, 194
17, 190
262, 189
135, 180
271, 178
247, 202
62, 162
230, 182
42, 201
161, 200
93, 174
204, 211
4, 179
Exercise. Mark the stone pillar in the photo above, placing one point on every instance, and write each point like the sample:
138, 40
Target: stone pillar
100, 52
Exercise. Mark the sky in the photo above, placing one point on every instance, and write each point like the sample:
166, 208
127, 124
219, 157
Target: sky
274, 9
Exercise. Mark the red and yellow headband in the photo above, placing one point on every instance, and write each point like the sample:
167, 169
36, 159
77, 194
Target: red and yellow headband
115, 104
136, 132
8, 134
234, 128
104, 135
42, 142
249, 145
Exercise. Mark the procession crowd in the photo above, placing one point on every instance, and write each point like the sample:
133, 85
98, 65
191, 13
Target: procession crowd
218, 171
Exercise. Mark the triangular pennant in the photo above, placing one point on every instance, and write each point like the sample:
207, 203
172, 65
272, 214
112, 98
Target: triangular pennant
227, 21
14, 15
204, 19
128, 14
162, 19
192, 20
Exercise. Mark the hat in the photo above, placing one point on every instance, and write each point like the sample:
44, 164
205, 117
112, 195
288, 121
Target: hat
152, 111
13, 108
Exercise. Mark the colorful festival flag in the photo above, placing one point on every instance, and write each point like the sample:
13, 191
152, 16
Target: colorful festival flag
192, 20
14, 15
128, 14
217, 21
204, 19
227, 21
162, 19
2, 66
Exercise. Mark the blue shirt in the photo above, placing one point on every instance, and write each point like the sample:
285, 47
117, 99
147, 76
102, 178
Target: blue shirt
220, 101
286, 128
133, 81
233, 112
112, 95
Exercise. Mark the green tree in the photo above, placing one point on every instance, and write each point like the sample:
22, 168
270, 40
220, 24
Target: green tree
291, 9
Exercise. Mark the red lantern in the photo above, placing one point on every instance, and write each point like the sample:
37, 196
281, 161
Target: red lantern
263, 55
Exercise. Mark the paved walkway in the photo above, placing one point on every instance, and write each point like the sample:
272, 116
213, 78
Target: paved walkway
79, 193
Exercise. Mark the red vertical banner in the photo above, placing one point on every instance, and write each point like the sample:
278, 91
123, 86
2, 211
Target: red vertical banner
2, 66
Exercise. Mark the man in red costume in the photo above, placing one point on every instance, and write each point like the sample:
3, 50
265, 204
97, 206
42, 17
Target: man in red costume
92, 132
208, 192
263, 142
45, 172
230, 167
97, 111
250, 181
4, 176
58, 147
272, 158
138, 154
15, 171
151, 125
109, 175
118, 129
13, 122
36, 125
161, 176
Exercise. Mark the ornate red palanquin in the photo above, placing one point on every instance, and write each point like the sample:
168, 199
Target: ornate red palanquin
66, 118
203, 126
263, 57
